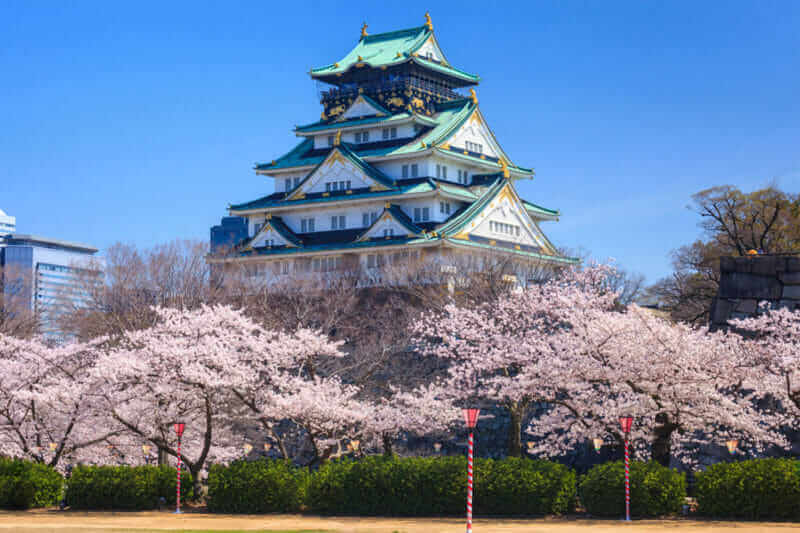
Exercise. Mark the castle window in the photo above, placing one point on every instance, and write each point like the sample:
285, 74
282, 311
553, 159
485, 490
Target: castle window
405, 171
330, 140
288, 184
385, 133
438, 171
417, 214
338, 222
393, 133
327, 187
365, 219
296, 181
474, 147
414, 170
444, 172
426, 214
358, 137
365, 137
388, 232
306, 225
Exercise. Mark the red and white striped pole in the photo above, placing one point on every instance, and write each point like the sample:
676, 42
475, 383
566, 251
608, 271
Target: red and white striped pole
626, 422
179, 427
471, 418
469, 483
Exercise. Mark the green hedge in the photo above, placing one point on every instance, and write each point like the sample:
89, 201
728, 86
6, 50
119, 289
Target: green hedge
256, 487
655, 490
124, 487
757, 489
25, 484
418, 486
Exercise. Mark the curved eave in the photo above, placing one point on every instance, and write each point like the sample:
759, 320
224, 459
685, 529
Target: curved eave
557, 259
346, 125
333, 73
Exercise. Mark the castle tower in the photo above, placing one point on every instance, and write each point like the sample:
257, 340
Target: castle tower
401, 163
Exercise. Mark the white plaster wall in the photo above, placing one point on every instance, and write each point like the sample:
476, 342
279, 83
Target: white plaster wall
430, 51
507, 212
474, 131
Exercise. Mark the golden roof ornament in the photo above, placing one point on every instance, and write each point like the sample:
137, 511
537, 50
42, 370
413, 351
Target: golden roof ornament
473, 96
428, 22
338, 139
364, 30
387, 205
504, 166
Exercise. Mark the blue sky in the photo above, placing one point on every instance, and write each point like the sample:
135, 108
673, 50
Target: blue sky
139, 122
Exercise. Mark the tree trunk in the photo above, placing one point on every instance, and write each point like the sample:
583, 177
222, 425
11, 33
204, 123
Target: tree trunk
197, 487
515, 410
662, 433
387, 446
163, 457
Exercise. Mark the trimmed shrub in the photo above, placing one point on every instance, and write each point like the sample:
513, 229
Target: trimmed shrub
125, 487
655, 490
757, 489
25, 484
425, 486
256, 487
521, 486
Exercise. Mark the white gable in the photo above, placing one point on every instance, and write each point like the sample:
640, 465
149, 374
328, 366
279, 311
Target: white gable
475, 131
384, 226
431, 50
505, 219
339, 170
269, 237
360, 108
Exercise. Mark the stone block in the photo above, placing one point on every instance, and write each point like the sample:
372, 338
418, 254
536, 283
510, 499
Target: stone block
727, 264
739, 285
746, 306
793, 264
721, 310
765, 265
791, 292
790, 278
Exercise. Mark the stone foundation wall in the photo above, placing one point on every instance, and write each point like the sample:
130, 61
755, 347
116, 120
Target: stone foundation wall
747, 281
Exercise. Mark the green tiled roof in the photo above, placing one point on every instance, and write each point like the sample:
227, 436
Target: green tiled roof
428, 185
324, 125
459, 221
392, 48
530, 206
556, 258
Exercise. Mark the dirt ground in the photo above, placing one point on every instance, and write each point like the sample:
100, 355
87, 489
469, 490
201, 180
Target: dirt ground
106, 522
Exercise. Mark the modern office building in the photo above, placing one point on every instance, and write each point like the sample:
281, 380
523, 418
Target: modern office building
400, 164
45, 276
8, 224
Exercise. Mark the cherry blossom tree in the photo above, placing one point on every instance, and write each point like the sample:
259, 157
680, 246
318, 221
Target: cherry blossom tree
773, 343
567, 345
182, 369
490, 345
46, 406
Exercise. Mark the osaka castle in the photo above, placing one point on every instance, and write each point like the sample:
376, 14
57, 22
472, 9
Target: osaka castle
401, 163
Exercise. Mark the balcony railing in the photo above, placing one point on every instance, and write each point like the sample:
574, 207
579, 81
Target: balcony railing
399, 84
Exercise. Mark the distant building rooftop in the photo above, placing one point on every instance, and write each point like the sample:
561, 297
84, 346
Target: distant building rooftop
23, 239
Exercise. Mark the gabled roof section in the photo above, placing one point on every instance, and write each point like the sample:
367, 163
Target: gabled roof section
274, 227
342, 154
363, 106
469, 223
389, 49
394, 213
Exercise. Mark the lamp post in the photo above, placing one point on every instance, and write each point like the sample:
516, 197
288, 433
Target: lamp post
598, 443
267, 448
179, 428
530, 445
247, 449
732, 445
437, 446
625, 423
471, 419
146, 452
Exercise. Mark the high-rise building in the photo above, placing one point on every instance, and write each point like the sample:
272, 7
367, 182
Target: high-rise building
8, 224
400, 164
47, 277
